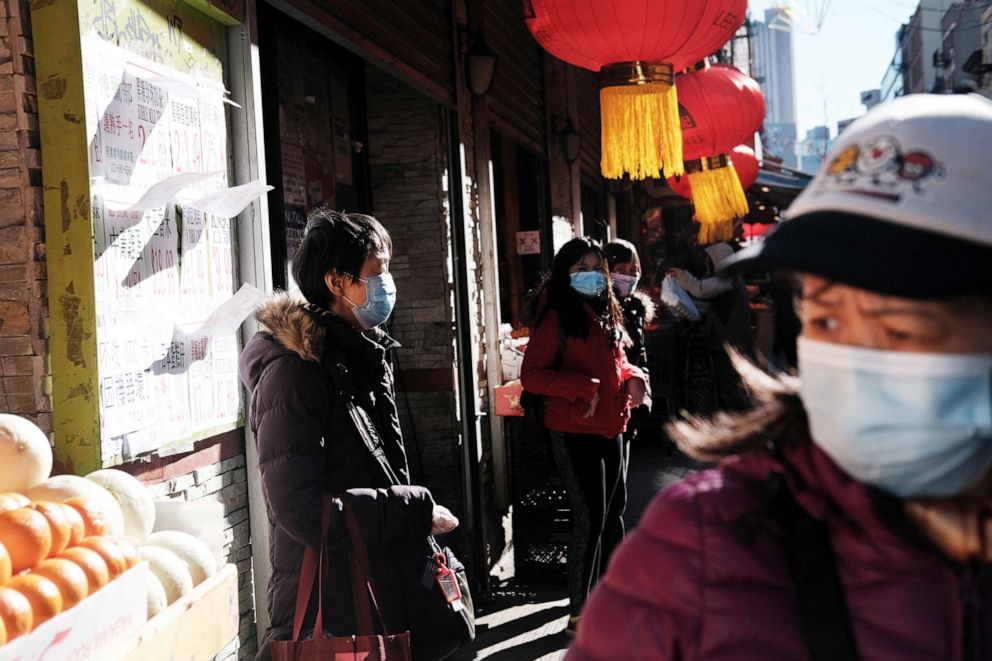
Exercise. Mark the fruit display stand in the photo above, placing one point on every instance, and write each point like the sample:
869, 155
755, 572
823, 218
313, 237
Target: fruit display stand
195, 627
110, 615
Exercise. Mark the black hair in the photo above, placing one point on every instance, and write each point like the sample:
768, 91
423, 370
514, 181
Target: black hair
621, 251
336, 241
556, 293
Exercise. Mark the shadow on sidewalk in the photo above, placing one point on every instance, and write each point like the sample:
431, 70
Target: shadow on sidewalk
520, 624
527, 623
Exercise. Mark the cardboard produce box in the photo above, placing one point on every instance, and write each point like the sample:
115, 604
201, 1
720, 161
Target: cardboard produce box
84, 632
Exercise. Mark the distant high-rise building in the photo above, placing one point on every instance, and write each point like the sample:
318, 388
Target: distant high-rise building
813, 148
961, 37
773, 69
920, 39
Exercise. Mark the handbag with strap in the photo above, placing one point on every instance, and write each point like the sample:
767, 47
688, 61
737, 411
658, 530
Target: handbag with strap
365, 645
439, 608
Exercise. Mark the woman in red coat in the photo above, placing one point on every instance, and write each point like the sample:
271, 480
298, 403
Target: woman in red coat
576, 359
851, 515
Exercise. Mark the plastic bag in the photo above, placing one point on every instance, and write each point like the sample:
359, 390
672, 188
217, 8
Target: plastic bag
678, 300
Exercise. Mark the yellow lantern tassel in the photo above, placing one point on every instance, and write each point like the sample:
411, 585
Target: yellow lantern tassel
719, 198
641, 131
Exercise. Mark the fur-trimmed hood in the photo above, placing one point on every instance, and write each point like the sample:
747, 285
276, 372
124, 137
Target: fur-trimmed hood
650, 309
287, 317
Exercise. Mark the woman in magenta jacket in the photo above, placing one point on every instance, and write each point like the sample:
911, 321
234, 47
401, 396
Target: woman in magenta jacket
851, 515
590, 389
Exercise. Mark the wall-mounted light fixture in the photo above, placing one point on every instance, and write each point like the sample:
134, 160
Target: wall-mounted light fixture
480, 65
571, 139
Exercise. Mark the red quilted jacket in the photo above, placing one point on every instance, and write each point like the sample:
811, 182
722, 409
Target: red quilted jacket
570, 388
686, 584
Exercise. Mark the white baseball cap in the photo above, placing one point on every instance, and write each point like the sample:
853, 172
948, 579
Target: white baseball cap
902, 204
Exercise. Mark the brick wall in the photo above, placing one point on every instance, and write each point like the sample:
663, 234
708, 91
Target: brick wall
407, 166
24, 382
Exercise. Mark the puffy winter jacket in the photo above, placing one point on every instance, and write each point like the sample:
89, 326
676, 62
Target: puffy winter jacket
703, 578
570, 388
308, 449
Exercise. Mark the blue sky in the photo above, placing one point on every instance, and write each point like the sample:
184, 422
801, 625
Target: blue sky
847, 54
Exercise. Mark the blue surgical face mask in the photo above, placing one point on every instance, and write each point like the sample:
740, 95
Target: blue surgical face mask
589, 283
624, 284
380, 297
912, 424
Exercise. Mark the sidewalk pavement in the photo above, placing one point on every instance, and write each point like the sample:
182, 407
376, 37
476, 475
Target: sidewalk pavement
527, 623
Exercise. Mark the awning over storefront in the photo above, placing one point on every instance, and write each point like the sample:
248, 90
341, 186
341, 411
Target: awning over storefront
774, 191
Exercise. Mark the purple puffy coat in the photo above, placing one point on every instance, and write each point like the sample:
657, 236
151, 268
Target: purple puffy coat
688, 584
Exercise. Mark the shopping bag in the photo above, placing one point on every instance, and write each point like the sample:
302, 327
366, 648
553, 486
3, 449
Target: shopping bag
678, 300
365, 645
508, 398
439, 608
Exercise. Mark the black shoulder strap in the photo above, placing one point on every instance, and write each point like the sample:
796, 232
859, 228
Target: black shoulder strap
822, 604
341, 381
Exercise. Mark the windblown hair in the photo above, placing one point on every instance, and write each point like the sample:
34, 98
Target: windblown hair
778, 413
336, 241
556, 293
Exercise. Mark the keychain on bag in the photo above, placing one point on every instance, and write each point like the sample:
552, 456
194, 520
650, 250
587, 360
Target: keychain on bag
448, 582
437, 571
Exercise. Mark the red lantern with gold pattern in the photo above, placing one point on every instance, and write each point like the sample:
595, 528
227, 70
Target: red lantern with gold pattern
720, 107
637, 45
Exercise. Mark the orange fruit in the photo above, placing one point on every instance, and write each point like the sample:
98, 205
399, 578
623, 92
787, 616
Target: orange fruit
16, 613
68, 577
92, 565
94, 519
45, 598
76, 525
12, 501
109, 551
5, 568
3, 632
129, 549
27, 536
58, 522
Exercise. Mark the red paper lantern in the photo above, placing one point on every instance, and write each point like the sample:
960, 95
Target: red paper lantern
720, 107
637, 45
746, 164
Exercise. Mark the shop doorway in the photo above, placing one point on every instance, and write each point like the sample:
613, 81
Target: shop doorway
315, 134
523, 237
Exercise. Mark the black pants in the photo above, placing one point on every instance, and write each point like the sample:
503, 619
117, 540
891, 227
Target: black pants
592, 468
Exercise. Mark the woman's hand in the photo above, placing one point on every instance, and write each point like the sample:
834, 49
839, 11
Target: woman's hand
635, 391
443, 520
594, 403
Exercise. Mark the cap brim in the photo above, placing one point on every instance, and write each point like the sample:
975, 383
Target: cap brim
871, 254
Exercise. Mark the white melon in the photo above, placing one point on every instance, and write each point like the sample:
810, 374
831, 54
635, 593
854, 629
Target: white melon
157, 601
137, 505
191, 550
169, 569
25, 454
60, 488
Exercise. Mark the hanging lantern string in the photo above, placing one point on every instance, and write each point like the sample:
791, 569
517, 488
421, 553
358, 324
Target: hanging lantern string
639, 105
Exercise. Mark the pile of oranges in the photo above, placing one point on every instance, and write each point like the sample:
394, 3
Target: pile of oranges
53, 555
